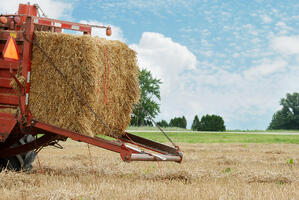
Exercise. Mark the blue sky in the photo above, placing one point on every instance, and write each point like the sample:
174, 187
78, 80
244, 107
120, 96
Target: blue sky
231, 58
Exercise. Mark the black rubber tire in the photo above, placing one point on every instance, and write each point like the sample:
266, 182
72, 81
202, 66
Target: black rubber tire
22, 161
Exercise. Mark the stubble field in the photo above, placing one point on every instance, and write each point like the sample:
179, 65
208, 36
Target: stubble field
209, 171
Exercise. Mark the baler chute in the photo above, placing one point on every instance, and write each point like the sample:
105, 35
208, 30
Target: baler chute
16, 128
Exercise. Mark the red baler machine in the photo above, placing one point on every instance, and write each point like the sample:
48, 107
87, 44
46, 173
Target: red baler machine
21, 136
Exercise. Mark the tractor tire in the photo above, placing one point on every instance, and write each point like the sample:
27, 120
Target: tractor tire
21, 161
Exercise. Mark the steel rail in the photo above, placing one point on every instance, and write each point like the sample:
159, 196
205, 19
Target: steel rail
157, 125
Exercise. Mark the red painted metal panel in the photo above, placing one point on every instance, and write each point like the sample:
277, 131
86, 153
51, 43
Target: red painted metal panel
4, 64
5, 73
9, 99
5, 82
18, 35
7, 91
45, 22
85, 29
63, 24
66, 26
27, 9
7, 123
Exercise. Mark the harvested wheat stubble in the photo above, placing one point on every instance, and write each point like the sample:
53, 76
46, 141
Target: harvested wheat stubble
104, 72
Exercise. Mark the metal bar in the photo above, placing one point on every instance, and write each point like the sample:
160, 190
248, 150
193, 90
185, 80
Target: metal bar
26, 64
106, 144
62, 24
149, 144
42, 141
147, 157
151, 118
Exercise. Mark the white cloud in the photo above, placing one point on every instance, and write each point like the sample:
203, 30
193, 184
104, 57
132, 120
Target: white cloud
251, 29
267, 67
282, 27
286, 45
236, 55
117, 33
52, 8
266, 19
164, 57
207, 53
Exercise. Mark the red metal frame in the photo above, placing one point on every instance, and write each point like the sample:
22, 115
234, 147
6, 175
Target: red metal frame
7, 123
13, 127
54, 23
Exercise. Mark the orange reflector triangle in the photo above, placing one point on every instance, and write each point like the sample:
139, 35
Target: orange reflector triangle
10, 51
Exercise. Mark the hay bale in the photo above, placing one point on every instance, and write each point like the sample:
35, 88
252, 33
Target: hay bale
85, 61
123, 86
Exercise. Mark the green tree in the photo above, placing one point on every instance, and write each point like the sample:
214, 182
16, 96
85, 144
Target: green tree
174, 122
163, 123
212, 123
180, 122
195, 123
150, 93
288, 117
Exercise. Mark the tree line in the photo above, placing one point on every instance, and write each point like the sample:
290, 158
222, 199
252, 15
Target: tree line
207, 123
179, 122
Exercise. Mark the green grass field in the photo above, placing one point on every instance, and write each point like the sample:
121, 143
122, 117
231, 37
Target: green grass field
152, 128
195, 137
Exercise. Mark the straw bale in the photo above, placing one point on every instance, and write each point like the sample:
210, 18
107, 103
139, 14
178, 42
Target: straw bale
85, 61
123, 86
